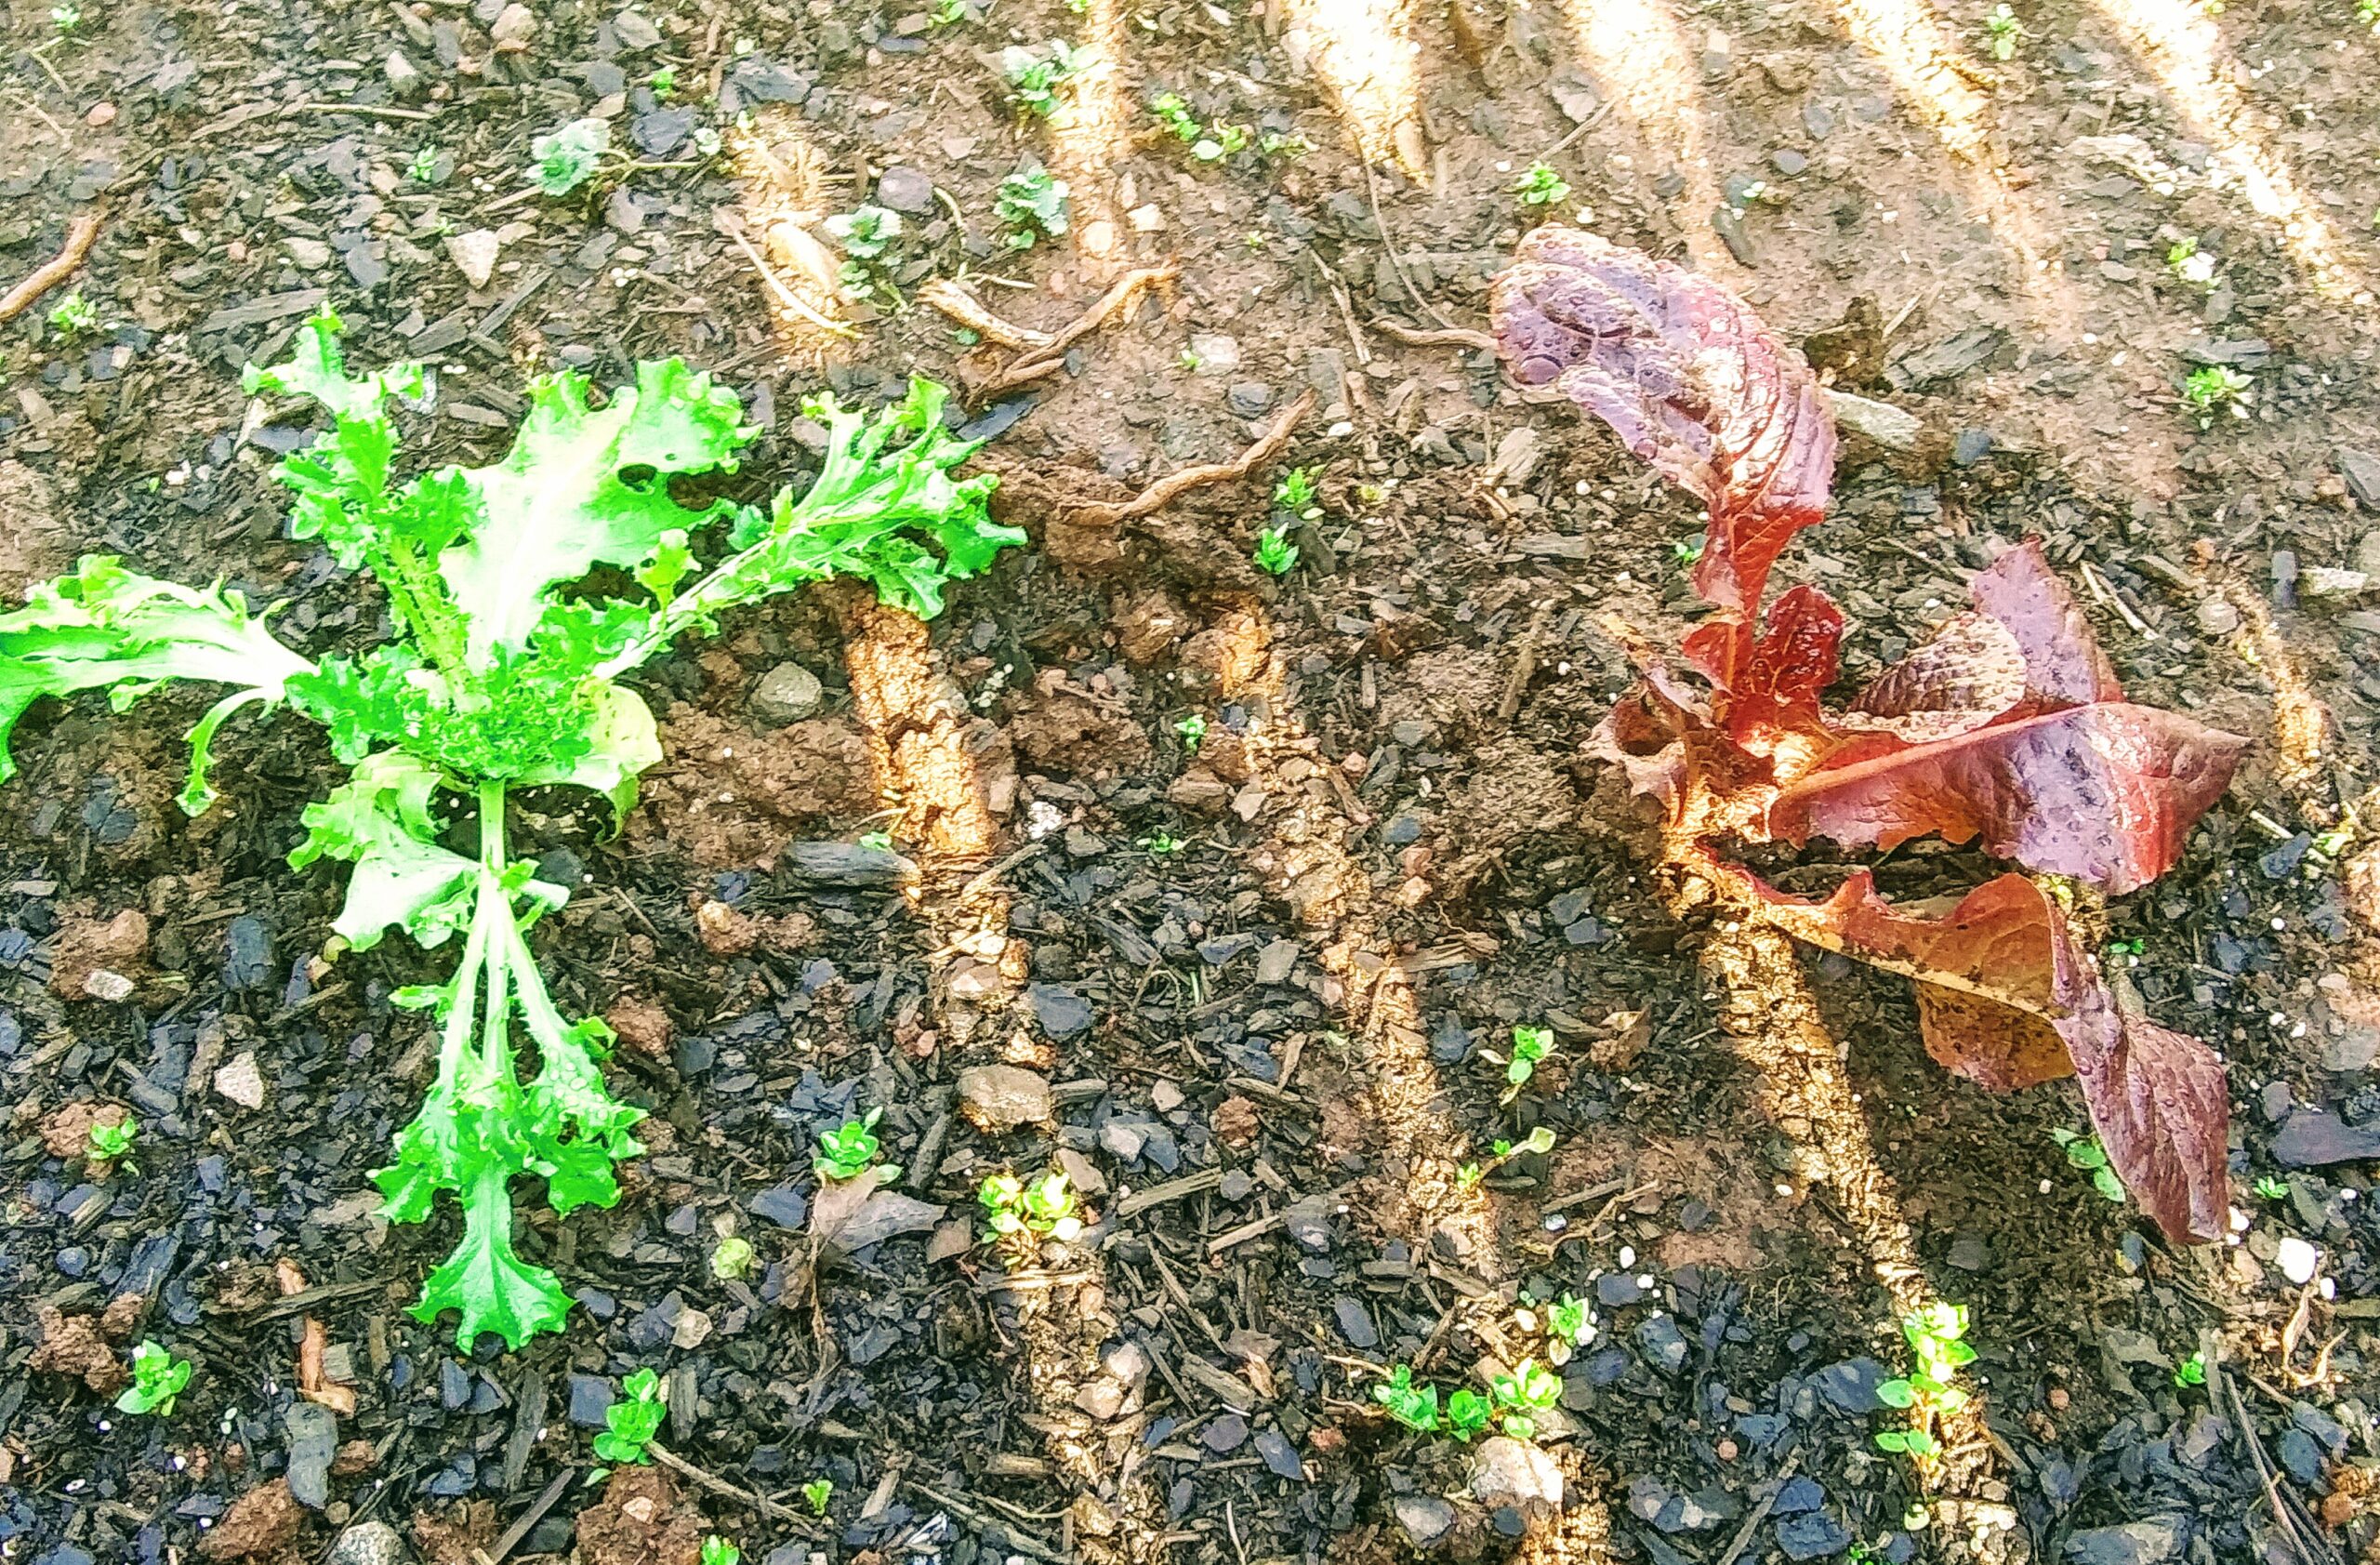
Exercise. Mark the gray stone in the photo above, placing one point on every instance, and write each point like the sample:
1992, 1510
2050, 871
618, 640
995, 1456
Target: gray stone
2321, 1424
1788, 161
787, 693
2133, 1543
905, 190
785, 1205
1811, 1535
368, 1543
1225, 1435
1851, 1384
1276, 962
1250, 399
1614, 1289
2362, 470
1307, 1222
1060, 1012
404, 78
590, 1398
1122, 1140
313, 1440
2301, 1455
885, 1214
622, 213
1800, 1495
1425, 1519
1279, 1455
635, 32
1892, 427
1002, 1097
2315, 1138
1662, 1343
1512, 1473
1354, 1324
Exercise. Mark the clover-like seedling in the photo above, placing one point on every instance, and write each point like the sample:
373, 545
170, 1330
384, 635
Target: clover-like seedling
1043, 1207
2271, 1188
1540, 186
564, 159
2086, 1152
1173, 113
157, 1378
719, 1551
664, 82
1274, 555
731, 1258
1034, 75
424, 168
818, 1491
1521, 1397
867, 234
1160, 844
2003, 33
66, 17
1467, 1413
1193, 730
2191, 1371
1031, 204
1569, 1322
1531, 1045
881, 840
847, 1151
1416, 1407
1936, 1335
630, 1425
2209, 390
112, 1143
73, 316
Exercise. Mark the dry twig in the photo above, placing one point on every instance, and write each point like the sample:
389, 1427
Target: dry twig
1107, 513
79, 234
1047, 357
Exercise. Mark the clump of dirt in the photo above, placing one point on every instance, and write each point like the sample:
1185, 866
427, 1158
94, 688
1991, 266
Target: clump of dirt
263, 1525
637, 1522
66, 1133
1513, 793
727, 797
1230, 653
1074, 732
730, 932
72, 1346
1453, 689
108, 960
459, 1536
1150, 626
641, 1026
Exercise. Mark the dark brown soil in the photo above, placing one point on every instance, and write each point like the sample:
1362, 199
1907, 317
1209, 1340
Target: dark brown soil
1284, 964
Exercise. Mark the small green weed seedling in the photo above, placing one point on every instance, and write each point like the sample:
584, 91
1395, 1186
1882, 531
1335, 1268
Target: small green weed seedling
73, 316
2186, 262
2213, 387
2086, 1153
731, 1258
1539, 1141
949, 13
881, 840
1274, 555
1035, 75
719, 1551
1187, 361
502, 676
66, 18
1294, 494
1540, 186
818, 1491
1514, 1402
1031, 204
1569, 1325
2003, 33
2271, 1188
423, 169
1531, 1045
867, 234
157, 1378
1160, 844
562, 160
631, 1424
1936, 1334
1207, 143
664, 82
2191, 1371
847, 1151
1522, 1396
112, 1143
1193, 730
1041, 1208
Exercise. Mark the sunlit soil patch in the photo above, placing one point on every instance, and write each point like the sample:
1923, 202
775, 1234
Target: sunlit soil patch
1362, 53
1638, 52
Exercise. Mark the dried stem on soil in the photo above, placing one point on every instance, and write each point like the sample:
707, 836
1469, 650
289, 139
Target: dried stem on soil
1166, 490
79, 235
1046, 351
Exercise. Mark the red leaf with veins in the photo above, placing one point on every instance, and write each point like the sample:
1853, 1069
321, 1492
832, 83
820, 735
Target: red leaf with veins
2010, 727
1692, 382
1773, 696
2009, 998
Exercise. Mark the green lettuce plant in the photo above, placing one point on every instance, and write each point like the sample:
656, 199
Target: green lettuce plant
504, 673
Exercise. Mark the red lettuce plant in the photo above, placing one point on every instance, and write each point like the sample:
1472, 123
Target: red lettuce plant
2007, 728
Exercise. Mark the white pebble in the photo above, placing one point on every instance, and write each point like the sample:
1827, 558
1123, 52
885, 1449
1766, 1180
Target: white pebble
2297, 1260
